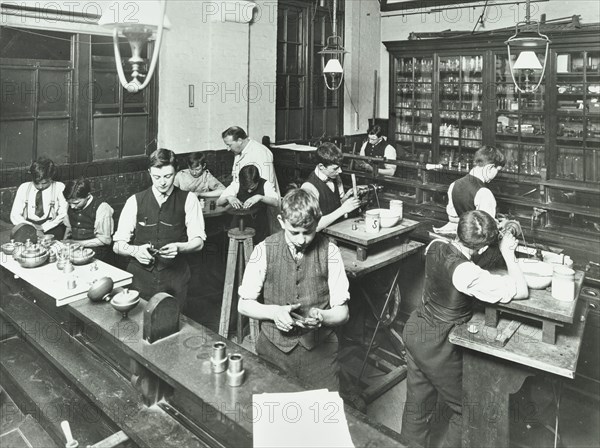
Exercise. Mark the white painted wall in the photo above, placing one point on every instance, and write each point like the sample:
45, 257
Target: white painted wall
362, 40
395, 27
213, 56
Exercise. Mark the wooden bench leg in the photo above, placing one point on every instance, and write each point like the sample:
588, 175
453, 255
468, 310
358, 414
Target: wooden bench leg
228, 289
361, 253
491, 316
548, 332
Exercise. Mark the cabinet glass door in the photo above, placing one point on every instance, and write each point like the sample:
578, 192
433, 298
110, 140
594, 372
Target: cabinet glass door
413, 103
460, 106
520, 123
578, 116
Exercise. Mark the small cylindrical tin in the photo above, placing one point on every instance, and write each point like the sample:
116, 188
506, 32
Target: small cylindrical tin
218, 359
71, 283
235, 371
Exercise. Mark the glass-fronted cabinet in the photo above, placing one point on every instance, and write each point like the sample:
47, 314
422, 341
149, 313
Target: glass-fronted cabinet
520, 121
460, 109
578, 115
412, 108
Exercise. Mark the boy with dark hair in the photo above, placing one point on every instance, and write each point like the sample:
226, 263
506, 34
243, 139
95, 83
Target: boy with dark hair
251, 191
326, 185
452, 282
301, 275
197, 179
157, 227
40, 202
377, 146
89, 221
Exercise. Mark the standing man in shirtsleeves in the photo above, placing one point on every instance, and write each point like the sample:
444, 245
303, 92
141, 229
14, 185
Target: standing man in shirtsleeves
250, 152
157, 227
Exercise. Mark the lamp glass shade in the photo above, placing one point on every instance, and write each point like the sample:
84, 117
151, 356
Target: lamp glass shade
527, 60
147, 16
333, 66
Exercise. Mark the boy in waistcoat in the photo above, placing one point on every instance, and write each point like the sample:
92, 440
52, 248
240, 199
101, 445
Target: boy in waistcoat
41, 202
305, 289
325, 183
251, 191
157, 227
471, 193
377, 146
452, 283
89, 220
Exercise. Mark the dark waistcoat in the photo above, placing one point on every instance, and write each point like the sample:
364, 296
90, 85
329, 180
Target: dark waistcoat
289, 281
376, 151
463, 193
441, 300
243, 195
329, 201
160, 225
83, 221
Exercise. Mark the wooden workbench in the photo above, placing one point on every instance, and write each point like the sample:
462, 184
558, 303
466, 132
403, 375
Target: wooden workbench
386, 247
95, 349
492, 372
540, 306
53, 282
352, 232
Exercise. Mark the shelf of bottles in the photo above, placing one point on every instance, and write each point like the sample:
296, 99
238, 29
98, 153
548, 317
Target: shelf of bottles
520, 120
413, 103
460, 106
578, 116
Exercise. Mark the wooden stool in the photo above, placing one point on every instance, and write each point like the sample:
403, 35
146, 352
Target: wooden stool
240, 249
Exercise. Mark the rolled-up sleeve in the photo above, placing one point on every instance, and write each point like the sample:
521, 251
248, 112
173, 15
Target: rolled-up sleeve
194, 220
255, 274
126, 226
337, 280
104, 225
270, 191
470, 279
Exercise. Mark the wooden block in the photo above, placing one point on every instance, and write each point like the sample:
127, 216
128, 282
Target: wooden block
384, 383
503, 337
361, 253
161, 317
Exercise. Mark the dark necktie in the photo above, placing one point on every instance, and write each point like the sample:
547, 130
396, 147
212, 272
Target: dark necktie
39, 204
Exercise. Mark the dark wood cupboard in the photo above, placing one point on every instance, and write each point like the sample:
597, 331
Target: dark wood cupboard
450, 96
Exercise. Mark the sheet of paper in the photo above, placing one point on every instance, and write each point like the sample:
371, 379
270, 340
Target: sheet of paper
303, 419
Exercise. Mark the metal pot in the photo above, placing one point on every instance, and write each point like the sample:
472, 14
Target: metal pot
100, 289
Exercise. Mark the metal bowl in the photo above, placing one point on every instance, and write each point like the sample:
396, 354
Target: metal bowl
101, 289
81, 255
8, 248
125, 301
387, 217
32, 261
